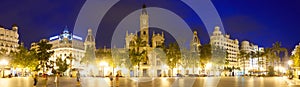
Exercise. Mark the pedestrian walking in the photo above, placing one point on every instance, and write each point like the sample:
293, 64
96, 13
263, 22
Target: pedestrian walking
117, 79
111, 76
78, 77
35, 80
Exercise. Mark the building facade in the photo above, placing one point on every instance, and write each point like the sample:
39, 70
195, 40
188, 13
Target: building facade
9, 38
255, 63
67, 46
224, 42
157, 41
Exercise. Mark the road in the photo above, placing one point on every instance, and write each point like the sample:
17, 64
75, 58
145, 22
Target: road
154, 82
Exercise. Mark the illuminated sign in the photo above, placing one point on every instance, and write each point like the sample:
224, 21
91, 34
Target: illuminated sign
54, 37
77, 37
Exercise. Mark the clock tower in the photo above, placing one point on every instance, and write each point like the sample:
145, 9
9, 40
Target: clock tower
144, 25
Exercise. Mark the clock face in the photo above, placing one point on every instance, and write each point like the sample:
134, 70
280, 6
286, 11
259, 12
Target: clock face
144, 22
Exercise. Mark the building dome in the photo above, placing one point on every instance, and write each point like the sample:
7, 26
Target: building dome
246, 43
14, 25
144, 9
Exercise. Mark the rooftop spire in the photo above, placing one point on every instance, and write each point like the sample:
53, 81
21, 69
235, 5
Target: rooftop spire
66, 30
144, 9
144, 5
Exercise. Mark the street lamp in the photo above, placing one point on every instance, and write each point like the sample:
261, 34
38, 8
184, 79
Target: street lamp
3, 63
290, 62
208, 66
102, 65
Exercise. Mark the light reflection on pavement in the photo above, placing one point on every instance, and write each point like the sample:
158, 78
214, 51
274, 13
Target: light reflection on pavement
154, 82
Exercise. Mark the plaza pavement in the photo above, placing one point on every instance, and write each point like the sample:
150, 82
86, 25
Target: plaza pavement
154, 82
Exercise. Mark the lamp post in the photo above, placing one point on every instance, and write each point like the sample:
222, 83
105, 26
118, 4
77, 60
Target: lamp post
3, 63
290, 62
208, 67
102, 65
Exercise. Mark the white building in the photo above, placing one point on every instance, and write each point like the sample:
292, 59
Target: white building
67, 45
224, 42
9, 38
254, 63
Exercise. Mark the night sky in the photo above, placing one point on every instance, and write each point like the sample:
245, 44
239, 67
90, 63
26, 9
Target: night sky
262, 22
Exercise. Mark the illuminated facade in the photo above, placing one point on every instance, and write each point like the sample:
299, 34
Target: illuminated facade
224, 42
9, 38
67, 46
254, 63
157, 41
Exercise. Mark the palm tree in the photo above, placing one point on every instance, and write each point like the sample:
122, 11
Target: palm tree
138, 55
270, 57
277, 49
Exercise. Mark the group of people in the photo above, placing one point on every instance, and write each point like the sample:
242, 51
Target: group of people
35, 78
111, 77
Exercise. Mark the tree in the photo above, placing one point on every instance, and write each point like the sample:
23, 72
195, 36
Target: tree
277, 49
71, 58
62, 65
270, 57
137, 54
24, 58
88, 55
43, 54
186, 60
296, 57
173, 56
219, 56
205, 54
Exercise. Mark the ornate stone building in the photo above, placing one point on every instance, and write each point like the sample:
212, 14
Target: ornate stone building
157, 41
9, 38
67, 46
